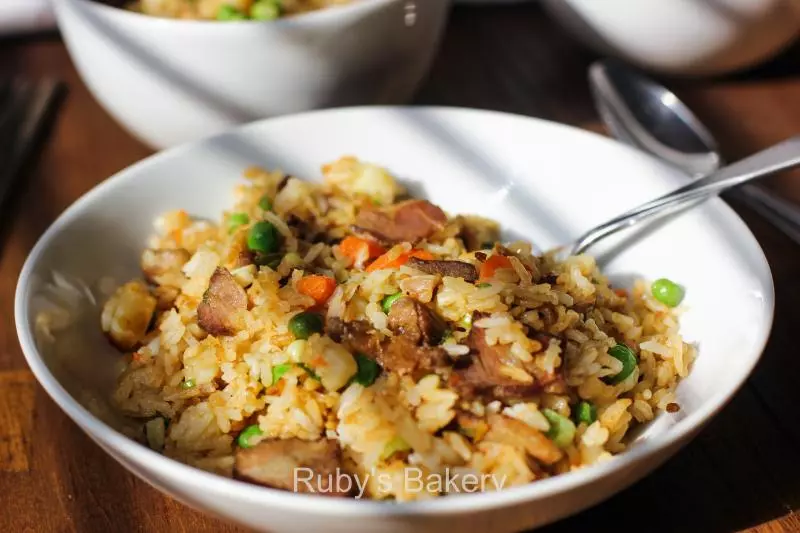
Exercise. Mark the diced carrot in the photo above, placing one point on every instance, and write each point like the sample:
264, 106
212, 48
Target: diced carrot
318, 287
353, 248
318, 361
492, 264
385, 261
421, 254
621, 292
176, 235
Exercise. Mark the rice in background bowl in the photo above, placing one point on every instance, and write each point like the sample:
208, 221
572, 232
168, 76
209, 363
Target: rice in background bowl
228, 10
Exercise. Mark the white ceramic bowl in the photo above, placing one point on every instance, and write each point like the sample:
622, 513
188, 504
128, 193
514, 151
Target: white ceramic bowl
170, 81
541, 180
687, 37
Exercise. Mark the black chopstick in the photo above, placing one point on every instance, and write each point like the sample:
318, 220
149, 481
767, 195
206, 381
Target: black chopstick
25, 110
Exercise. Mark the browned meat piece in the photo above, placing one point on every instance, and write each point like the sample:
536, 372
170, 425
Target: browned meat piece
454, 269
357, 336
478, 233
157, 262
409, 221
303, 229
401, 354
516, 433
224, 297
483, 376
293, 464
244, 258
414, 321
550, 279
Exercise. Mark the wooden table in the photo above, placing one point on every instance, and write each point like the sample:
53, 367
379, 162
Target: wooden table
742, 472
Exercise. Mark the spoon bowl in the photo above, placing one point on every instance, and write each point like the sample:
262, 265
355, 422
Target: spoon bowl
649, 116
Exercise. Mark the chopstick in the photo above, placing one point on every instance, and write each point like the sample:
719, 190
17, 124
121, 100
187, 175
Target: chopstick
25, 108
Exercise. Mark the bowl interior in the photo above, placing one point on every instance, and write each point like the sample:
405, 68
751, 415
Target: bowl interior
542, 181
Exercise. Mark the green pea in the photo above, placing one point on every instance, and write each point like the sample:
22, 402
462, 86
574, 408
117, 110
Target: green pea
227, 12
667, 292
279, 370
236, 220
561, 431
263, 238
368, 370
265, 203
265, 10
585, 412
303, 325
247, 434
628, 359
388, 301
188, 384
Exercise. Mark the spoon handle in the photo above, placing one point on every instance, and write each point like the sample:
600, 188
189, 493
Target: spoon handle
780, 157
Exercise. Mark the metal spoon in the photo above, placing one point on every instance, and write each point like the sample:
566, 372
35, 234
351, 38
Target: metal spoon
780, 157
646, 115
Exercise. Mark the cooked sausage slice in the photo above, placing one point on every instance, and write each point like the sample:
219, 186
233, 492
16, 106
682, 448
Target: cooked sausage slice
217, 313
409, 221
516, 433
454, 269
295, 465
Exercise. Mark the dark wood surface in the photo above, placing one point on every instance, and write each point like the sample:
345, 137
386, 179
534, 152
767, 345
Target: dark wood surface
742, 472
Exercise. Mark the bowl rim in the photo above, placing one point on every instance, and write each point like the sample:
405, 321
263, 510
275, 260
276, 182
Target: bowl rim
328, 14
649, 449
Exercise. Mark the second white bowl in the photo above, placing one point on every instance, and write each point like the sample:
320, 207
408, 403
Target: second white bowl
169, 81
685, 37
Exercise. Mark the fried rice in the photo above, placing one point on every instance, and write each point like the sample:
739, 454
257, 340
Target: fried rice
436, 349
212, 9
